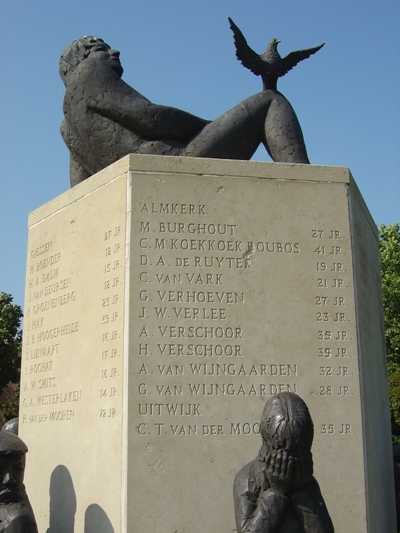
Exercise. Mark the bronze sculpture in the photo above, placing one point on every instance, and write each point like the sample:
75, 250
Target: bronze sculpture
276, 492
12, 425
269, 65
16, 514
106, 119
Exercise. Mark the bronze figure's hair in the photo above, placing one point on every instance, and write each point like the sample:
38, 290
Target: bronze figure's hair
286, 423
11, 444
75, 53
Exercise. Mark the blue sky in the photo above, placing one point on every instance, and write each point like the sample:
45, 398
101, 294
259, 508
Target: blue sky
181, 53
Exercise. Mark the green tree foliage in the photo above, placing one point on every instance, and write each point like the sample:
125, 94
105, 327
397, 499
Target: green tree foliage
10, 406
389, 247
394, 390
10, 340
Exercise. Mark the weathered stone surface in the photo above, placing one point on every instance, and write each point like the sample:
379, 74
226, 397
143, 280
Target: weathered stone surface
166, 299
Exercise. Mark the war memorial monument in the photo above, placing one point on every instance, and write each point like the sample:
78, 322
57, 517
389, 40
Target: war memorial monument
185, 306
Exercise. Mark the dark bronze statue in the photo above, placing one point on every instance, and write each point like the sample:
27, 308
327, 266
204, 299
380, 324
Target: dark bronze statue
12, 425
106, 119
276, 492
16, 515
270, 65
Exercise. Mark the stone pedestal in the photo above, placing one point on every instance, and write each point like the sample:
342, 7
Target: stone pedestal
166, 300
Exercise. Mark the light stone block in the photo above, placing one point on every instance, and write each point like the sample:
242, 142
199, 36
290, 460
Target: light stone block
166, 299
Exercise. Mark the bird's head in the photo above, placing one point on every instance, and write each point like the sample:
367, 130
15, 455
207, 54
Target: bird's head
271, 53
273, 44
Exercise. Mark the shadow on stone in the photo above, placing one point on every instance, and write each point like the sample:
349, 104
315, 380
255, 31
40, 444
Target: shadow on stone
63, 507
96, 520
62, 501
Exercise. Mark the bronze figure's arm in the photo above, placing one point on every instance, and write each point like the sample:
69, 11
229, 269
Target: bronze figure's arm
113, 98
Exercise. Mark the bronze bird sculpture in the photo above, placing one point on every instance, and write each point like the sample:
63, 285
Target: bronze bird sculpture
270, 65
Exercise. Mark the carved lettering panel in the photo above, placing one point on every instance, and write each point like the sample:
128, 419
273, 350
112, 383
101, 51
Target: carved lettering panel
72, 370
242, 289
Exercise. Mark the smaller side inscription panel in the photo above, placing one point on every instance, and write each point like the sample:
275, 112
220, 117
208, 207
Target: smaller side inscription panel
71, 387
241, 288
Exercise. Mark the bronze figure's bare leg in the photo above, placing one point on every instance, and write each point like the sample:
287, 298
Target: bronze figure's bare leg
265, 117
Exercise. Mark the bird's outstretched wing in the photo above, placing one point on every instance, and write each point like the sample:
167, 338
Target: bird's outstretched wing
245, 54
293, 58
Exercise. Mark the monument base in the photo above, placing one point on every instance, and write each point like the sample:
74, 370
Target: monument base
166, 300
